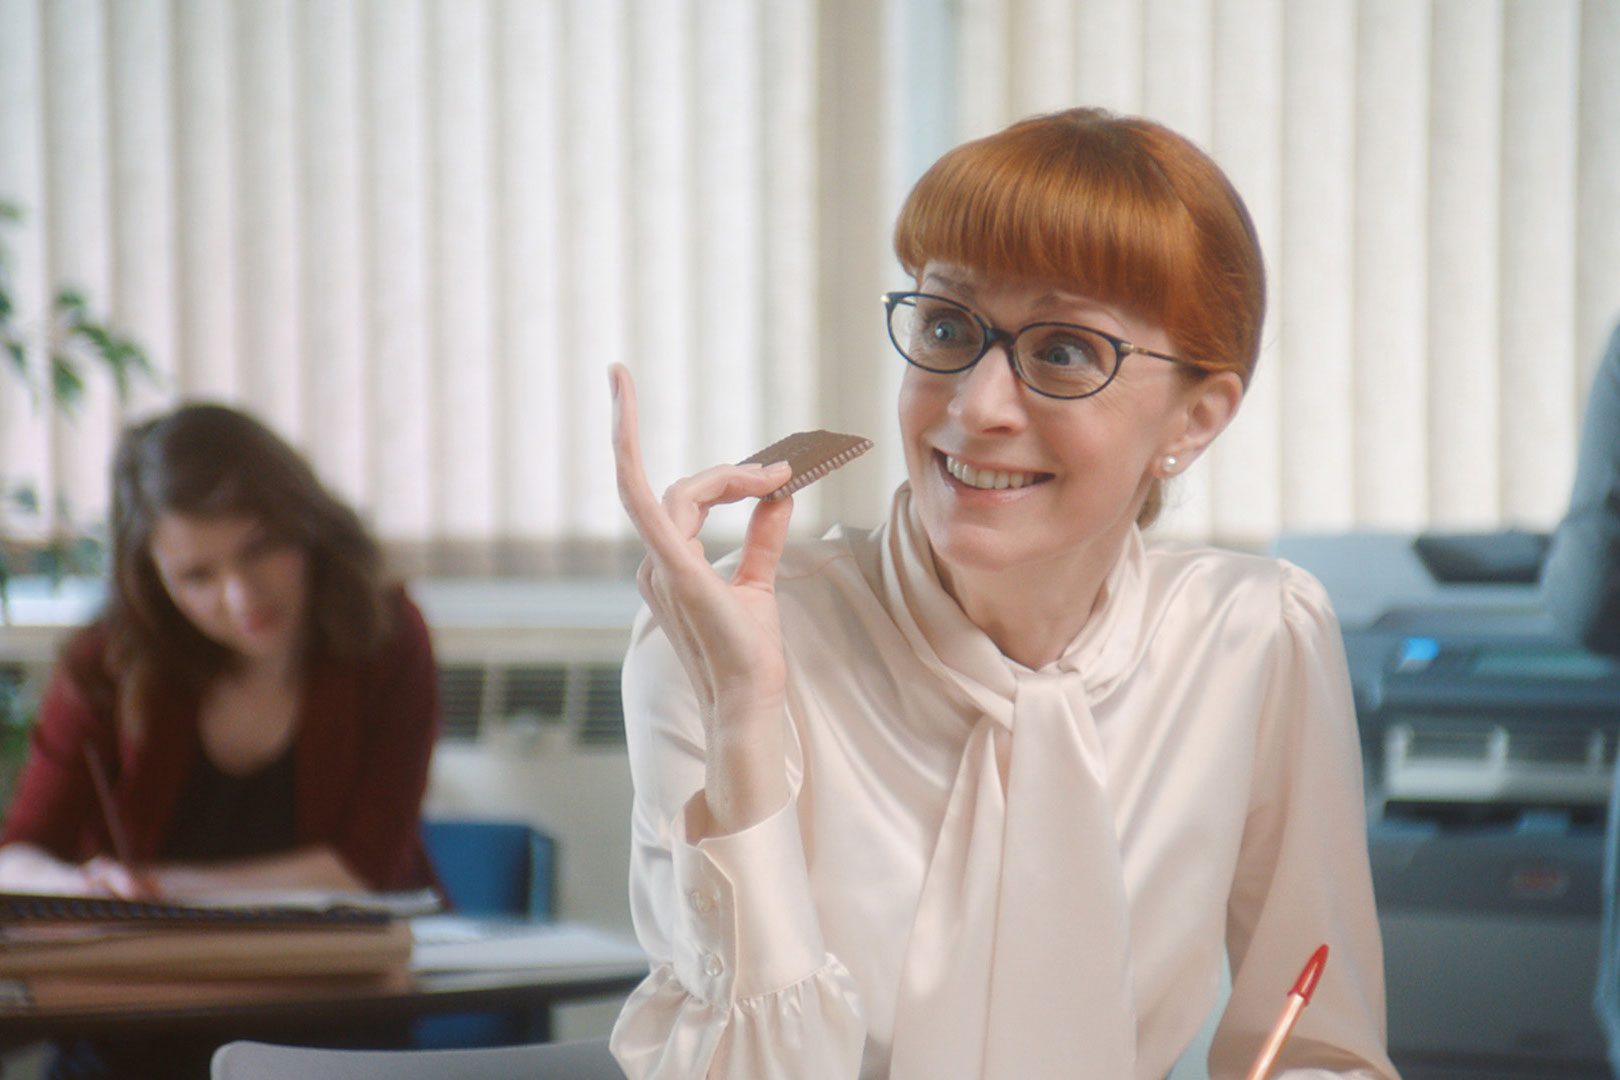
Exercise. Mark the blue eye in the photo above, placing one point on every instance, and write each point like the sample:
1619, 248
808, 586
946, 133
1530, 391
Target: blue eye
948, 328
1060, 352
1065, 360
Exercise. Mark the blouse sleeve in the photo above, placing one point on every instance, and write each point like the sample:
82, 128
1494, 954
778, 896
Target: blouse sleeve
1303, 877
741, 985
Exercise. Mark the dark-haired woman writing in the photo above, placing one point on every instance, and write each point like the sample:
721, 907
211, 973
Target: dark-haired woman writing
262, 704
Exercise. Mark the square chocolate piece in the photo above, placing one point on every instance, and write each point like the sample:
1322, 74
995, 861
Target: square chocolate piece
813, 454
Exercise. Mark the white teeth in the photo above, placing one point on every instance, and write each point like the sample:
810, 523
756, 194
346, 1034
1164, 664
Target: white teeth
986, 479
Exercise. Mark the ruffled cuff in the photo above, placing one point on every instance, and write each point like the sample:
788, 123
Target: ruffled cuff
810, 1029
747, 924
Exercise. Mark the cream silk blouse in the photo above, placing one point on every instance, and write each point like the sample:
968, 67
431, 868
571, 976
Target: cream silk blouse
990, 871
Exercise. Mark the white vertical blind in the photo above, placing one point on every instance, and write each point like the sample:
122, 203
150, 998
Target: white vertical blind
598, 255
331, 268
144, 289
984, 66
530, 411
1108, 58
208, 363
413, 233
1315, 264
399, 270
1041, 32
1465, 142
266, 212
1390, 398
79, 237
1245, 133
464, 341
25, 457
1537, 314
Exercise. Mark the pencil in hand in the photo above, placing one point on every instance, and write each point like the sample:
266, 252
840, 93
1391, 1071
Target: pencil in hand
1298, 998
115, 824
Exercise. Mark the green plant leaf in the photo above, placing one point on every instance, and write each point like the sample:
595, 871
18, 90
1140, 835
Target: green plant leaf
67, 385
127, 362
10, 211
71, 304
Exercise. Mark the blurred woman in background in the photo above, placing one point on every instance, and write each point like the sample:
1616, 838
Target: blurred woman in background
260, 703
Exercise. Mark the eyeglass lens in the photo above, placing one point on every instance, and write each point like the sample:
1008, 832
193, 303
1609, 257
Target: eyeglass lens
1054, 358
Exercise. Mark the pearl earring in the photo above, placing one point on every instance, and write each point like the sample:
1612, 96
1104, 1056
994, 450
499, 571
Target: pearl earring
1170, 463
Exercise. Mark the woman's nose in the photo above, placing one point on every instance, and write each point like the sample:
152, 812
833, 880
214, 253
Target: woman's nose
989, 395
239, 593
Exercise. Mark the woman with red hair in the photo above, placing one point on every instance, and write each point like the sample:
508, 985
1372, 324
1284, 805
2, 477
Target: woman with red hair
994, 789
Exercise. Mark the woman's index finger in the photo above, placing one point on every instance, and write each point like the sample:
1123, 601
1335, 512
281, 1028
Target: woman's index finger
635, 493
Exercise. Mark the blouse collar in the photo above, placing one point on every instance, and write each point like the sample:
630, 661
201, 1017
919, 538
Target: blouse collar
1101, 653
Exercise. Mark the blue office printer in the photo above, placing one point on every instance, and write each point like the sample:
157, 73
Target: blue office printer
1489, 744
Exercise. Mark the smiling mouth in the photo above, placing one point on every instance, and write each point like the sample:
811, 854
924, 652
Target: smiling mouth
990, 479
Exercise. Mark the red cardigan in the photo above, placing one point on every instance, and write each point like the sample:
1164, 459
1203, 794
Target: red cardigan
364, 739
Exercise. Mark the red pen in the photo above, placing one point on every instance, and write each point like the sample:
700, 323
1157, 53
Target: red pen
1298, 998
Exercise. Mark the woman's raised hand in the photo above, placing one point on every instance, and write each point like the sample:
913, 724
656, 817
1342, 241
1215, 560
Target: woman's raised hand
726, 632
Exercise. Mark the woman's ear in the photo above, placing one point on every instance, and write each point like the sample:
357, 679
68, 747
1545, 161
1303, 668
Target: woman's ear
1209, 406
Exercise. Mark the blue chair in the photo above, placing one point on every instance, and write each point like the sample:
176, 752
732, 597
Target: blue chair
493, 867
490, 867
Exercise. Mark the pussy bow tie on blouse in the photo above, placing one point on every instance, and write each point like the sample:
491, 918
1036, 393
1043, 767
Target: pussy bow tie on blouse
1019, 956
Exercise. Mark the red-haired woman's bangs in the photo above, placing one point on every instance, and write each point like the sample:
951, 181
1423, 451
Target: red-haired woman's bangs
1087, 211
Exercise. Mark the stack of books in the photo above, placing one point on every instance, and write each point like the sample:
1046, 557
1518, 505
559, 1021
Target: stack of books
89, 952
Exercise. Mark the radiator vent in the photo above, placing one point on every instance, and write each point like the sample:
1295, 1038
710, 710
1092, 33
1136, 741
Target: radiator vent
601, 721
461, 699
580, 698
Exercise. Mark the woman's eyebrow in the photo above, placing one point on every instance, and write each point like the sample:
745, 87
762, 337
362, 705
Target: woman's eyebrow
949, 282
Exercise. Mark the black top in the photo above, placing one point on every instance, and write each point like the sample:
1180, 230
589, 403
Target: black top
221, 816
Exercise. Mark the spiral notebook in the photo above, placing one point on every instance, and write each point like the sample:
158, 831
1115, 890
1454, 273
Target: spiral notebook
84, 936
288, 909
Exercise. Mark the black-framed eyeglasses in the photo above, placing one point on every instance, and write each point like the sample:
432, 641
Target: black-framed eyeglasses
1054, 359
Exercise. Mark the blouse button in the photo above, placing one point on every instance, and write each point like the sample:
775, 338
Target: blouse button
702, 903
712, 967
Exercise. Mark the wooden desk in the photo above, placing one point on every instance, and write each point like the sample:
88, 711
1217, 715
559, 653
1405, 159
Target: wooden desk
596, 964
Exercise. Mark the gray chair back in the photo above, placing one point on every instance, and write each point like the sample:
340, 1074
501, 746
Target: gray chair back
582, 1060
